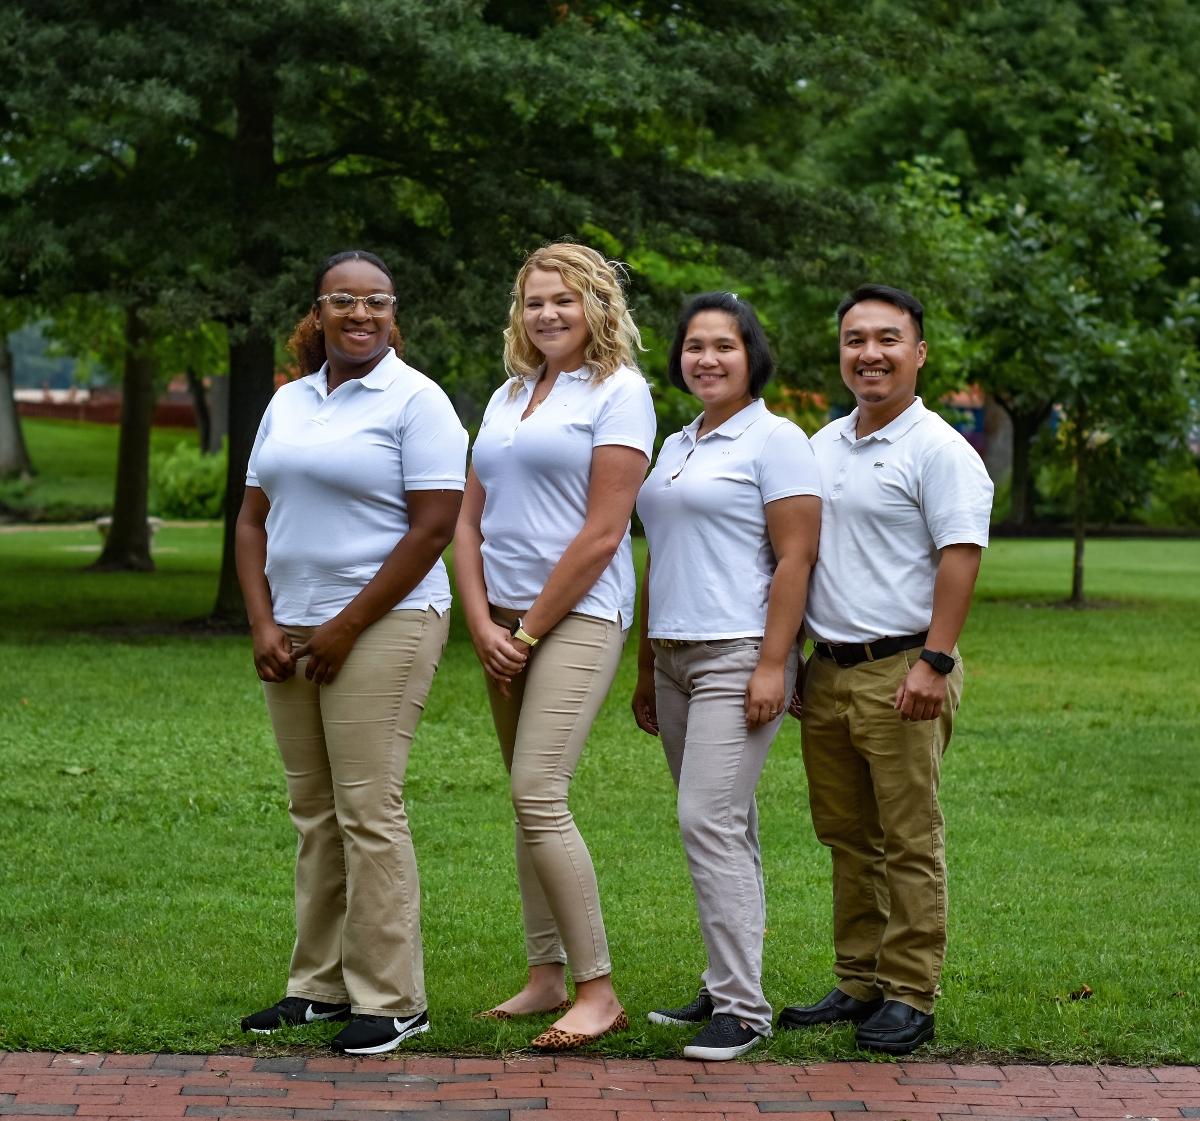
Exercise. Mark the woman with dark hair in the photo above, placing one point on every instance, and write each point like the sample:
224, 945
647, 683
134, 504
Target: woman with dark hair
352, 493
732, 512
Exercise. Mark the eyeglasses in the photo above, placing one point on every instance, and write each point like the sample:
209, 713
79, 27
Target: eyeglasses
342, 303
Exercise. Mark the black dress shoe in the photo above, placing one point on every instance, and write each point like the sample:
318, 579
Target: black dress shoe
897, 1029
836, 1008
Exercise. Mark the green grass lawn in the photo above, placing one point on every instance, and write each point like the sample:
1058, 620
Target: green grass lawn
146, 854
76, 464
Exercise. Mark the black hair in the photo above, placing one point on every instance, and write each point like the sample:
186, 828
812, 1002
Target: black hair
350, 255
754, 338
897, 297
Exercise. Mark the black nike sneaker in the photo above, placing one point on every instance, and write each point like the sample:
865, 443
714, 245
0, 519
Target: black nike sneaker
723, 1038
372, 1035
294, 1011
698, 1012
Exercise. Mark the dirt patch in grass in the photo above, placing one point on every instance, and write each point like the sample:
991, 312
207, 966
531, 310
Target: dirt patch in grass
1070, 605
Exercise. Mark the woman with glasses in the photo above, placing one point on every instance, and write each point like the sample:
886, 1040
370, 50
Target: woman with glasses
352, 493
732, 512
545, 571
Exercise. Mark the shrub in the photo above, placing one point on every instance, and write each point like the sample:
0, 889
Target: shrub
185, 484
1176, 498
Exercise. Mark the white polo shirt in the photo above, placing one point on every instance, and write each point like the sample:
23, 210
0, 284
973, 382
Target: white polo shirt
890, 503
704, 509
336, 468
536, 474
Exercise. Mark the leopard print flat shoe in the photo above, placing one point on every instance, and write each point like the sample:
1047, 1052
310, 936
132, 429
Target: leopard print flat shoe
555, 1039
500, 1014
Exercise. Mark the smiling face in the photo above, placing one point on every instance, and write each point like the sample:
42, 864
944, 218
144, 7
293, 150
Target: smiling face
714, 362
554, 319
880, 353
359, 338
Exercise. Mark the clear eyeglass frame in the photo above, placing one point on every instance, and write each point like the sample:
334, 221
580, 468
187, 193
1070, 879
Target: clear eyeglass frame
378, 304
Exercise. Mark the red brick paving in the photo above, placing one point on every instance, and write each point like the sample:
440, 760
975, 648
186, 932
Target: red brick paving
578, 1089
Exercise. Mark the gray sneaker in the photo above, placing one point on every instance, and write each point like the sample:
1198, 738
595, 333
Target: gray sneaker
698, 1012
724, 1038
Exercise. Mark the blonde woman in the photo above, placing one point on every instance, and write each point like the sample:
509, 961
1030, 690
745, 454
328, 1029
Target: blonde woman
545, 570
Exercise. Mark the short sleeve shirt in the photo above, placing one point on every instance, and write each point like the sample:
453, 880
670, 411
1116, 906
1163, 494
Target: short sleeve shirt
890, 503
704, 510
536, 474
337, 468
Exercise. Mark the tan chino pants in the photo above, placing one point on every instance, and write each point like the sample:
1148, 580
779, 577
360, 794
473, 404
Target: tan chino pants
345, 748
873, 788
542, 730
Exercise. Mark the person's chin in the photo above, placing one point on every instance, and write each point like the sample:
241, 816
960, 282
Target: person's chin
874, 390
356, 355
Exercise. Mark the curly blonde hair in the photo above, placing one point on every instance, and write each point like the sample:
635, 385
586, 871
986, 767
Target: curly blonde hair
614, 335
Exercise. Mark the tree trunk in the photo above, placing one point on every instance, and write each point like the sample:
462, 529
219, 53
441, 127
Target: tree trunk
252, 359
127, 547
14, 457
218, 412
251, 384
1025, 429
200, 408
1081, 494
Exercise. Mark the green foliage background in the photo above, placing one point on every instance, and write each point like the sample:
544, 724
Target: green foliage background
1031, 169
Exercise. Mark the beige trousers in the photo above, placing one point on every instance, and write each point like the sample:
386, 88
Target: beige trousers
873, 788
345, 747
542, 730
716, 761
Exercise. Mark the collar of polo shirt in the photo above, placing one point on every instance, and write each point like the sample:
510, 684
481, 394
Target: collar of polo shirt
584, 373
888, 432
734, 426
381, 377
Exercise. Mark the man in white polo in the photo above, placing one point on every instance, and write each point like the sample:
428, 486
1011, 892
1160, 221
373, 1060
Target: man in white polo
906, 504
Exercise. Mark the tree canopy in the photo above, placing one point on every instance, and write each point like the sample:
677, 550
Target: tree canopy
196, 159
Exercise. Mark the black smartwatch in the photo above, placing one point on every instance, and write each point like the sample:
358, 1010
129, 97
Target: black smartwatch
943, 663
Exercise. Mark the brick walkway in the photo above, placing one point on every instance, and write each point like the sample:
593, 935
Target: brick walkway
537, 1089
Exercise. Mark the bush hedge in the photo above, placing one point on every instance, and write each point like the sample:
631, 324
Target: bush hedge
187, 485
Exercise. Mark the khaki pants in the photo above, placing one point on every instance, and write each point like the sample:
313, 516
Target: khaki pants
345, 747
542, 730
716, 761
873, 783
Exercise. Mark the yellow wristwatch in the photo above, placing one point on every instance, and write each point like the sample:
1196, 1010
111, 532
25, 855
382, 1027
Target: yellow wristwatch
518, 632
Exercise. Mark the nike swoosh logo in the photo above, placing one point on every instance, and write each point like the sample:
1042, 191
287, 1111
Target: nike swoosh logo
310, 1015
406, 1026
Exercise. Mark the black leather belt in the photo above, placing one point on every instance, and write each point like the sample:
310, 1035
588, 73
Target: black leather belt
855, 653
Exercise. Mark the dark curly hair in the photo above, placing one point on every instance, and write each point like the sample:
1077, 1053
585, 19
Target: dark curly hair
307, 344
